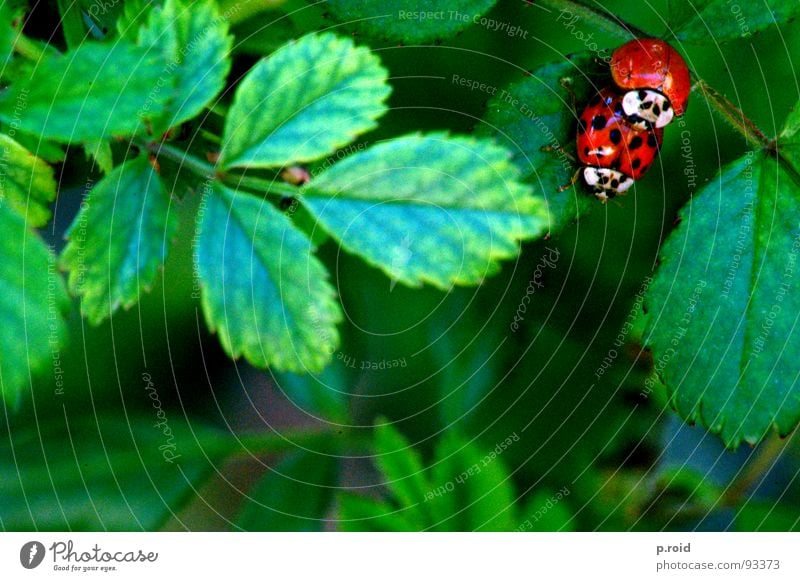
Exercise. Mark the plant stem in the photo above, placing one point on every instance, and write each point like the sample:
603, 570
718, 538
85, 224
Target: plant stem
209, 171
183, 158
28, 48
757, 469
733, 115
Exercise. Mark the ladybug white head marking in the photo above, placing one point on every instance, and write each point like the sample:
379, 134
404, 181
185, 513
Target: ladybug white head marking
606, 182
651, 106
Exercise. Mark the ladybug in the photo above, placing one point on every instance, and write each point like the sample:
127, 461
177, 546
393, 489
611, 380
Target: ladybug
656, 77
614, 150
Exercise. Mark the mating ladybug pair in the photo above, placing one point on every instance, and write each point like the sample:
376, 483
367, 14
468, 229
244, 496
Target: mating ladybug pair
620, 131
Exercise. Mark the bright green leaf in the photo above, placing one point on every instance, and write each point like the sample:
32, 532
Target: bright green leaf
294, 496
724, 305
193, 40
304, 101
32, 305
119, 239
723, 20
432, 208
263, 290
96, 91
358, 513
536, 113
471, 488
26, 182
410, 20
402, 468
100, 152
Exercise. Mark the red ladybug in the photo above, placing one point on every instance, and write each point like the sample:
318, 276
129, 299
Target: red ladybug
647, 67
614, 151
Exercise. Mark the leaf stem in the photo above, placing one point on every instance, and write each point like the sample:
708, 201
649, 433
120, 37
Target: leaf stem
735, 116
209, 171
28, 48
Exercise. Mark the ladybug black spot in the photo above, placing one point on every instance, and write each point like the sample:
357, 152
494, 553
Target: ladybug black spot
656, 110
615, 136
651, 141
618, 109
667, 106
635, 143
604, 180
615, 184
636, 163
586, 151
599, 122
642, 95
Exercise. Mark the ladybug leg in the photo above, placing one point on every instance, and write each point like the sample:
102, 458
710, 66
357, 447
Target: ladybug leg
566, 83
558, 149
571, 181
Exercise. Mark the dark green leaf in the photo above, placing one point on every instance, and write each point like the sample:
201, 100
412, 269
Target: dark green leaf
724, 306
304, 101
193, 40
27, 183
293, 496
432, 208
538, 113
93, 92
104, 472
264, 292
119, 239
32, 306
410, 20
722, 20
546, 511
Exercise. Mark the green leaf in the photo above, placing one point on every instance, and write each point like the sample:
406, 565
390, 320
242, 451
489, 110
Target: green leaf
105, 471
410, 20
536, 113
789, 138
430, 208
723, 306
402, 468
546, 511
90, 93
32, 306
357, 513
263, 290
27, 183
119, 239
193, 39
304, 101
293, 496
101, 152
768, 516
470, 487
722, 20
